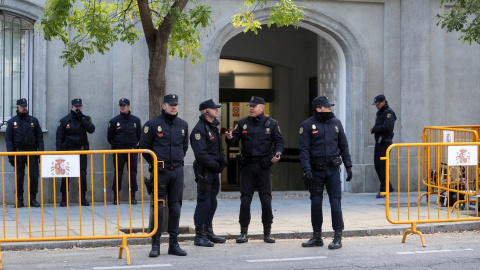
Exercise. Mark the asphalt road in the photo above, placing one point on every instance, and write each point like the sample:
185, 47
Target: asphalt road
460, 250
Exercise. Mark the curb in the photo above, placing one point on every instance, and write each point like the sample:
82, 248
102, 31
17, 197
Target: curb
423, 228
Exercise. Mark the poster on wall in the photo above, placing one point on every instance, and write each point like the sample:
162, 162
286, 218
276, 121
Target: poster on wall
462, 155
60, 166
448, 136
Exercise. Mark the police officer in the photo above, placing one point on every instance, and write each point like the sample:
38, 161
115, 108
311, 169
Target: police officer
209, 162
71, 136
257, 133
383, 130
124, 132
167, 136
323, 146
24, 134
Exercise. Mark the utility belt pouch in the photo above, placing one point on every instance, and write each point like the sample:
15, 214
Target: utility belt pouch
266, 162
336, 162
241, 160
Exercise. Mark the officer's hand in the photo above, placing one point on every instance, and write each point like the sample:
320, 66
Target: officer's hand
371, 130
229, 133
307, 178
64, 146
277, 157
349, 173
11, 160
79, 114
150, 167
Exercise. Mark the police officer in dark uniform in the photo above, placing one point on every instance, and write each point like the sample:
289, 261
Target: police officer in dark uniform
24, 134
323, 146
167, 136
383, 130
71, 136
257, 133
210, 160
124, 131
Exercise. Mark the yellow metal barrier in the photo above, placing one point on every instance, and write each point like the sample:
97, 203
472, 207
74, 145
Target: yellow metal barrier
423, 166
52, 223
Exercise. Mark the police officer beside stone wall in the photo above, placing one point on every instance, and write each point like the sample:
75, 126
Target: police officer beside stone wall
383, 130
72, 136
323, 146
124, 131
209, 161
257, 133
167, 136
24, 134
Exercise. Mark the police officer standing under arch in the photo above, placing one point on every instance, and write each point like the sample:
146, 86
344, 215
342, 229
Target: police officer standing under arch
257, 133
210, 160
383, 130
72, 136
24, 134
323, 146
124, 131
167, 136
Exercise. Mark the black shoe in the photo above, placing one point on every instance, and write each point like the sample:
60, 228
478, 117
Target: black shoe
63, 204
337, 241
200, 239
132, 199
316, 240
155, 252
174, 248
267, 237
380, 196
34, 203
243, 235
83, 201
211, 236
20, 203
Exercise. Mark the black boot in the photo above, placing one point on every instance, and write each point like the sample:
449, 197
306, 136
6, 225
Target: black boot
243, 235
20, 202
211, 236
33, 201
155, 252
115, 200
133, 198
64, 200
267, 237
200, 239
83, 200
174, 248
337, 241
316, 240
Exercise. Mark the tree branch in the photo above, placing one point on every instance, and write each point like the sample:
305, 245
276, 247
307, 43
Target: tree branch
147, 23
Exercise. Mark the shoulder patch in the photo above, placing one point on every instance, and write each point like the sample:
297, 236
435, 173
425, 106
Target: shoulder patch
336, 129
90, 119
109, 124
145, 129
279, 129
59, 123
301, 130
389, 115
198, 136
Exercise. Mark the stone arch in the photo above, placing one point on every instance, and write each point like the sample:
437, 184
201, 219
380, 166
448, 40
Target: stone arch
346, 44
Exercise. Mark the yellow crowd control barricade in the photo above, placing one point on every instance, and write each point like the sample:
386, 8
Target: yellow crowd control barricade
101, 220
445, 174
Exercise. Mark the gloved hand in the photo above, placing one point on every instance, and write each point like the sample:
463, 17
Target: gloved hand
307, 178
349, 173
11, 159
64, 146
150, 167
79, 114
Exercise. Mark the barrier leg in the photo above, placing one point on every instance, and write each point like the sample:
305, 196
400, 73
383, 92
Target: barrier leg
127, 251
1, 262
414, 230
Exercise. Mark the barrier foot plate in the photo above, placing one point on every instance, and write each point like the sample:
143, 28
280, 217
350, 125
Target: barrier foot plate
414, 230
127, 251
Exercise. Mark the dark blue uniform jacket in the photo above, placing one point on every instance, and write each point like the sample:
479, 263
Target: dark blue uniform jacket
72, 131
384, 124
167, 138
124, 131
257, 135
207, 145
322, 142
23, 132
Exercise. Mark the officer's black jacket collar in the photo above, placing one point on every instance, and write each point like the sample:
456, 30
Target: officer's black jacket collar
170, 118
215, 122
125, 115
385, 106
257, 118
323, 117
22, 115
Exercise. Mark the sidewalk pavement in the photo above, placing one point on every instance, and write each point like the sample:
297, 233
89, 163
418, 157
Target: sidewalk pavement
364, 215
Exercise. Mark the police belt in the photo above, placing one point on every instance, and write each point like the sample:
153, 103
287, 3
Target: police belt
169, 167
25, 148
254, 160
77, 146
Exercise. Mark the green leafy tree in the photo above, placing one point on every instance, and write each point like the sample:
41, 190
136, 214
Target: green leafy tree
462, 17
170, 28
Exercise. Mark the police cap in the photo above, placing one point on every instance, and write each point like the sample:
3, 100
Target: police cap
22, 102
171, 99
378, 99
124, 101
208, 104
255, 101
77, 102
321, 101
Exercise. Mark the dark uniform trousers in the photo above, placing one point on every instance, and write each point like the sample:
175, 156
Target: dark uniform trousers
380, 151
329, 178
207, 200
33, 173
83, 172
253, 175
170, 186
122, 161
